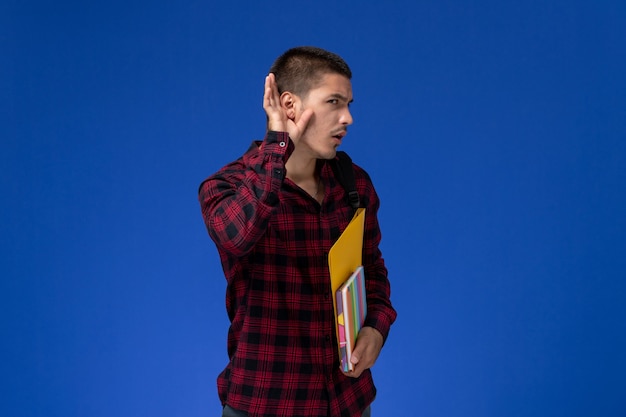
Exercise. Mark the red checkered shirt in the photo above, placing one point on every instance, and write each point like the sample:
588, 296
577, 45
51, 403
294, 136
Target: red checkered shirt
273, 240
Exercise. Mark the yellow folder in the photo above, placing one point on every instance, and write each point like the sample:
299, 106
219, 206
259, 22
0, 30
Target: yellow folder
346, 255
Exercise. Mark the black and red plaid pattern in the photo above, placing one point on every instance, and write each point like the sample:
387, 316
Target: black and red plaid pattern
273, 240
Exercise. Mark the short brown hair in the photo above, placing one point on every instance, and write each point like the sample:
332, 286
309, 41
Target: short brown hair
299, 69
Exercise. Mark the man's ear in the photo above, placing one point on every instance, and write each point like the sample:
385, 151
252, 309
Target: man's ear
288, 102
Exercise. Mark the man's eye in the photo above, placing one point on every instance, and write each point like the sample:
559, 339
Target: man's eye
333, 101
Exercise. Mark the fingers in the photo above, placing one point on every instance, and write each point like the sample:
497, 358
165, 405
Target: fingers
359, 360
276, 119
304, 119
267, 94
271, 97
368, 347
356, 371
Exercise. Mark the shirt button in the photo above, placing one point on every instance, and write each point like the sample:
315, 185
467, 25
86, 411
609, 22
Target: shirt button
282, 144
328, 338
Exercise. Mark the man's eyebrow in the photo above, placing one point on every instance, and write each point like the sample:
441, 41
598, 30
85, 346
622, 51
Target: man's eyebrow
341, 96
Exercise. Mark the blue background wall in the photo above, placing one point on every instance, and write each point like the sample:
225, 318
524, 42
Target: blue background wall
495, 132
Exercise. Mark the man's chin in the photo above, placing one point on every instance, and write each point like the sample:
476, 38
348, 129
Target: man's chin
330, 154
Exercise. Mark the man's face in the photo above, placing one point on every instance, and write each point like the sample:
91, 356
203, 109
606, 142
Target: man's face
329, 100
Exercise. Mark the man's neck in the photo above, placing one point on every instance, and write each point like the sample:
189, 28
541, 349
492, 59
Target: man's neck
301, 168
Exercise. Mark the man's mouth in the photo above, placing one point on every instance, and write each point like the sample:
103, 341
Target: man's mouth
339, 136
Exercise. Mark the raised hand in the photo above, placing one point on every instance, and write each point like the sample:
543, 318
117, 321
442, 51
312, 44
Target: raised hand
284, 117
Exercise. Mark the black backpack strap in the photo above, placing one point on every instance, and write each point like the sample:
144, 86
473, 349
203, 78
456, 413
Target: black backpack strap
344, 172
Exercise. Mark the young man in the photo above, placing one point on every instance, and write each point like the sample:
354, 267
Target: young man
274, 214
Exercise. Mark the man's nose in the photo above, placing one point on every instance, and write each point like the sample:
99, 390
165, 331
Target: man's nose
346, 117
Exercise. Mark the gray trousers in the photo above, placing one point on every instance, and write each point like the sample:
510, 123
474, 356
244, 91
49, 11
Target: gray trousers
229, 412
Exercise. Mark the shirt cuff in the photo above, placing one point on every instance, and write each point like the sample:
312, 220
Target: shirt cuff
380, 322
278, 144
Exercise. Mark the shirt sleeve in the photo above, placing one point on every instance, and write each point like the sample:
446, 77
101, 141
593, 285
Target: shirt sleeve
238, 201
380, 312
